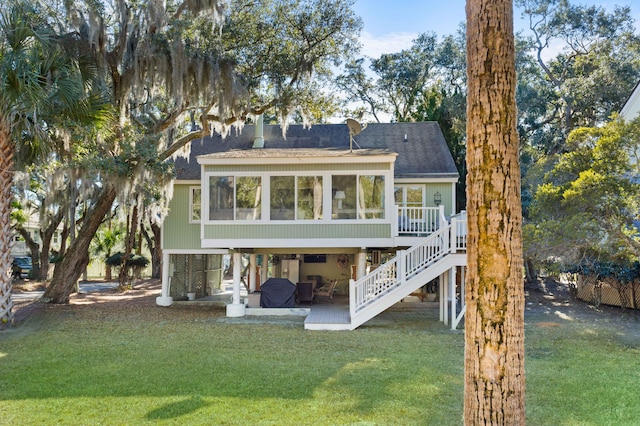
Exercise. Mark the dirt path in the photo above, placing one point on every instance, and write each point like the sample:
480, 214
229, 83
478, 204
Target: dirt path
141, 297
547, 303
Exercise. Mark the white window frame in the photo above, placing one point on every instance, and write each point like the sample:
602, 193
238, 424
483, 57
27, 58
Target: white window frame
388, 202
405, 187
192, 204
326, 196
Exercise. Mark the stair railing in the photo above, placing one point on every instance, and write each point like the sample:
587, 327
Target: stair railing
398, 270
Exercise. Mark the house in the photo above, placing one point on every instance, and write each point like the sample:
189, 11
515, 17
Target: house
631, 107
319, 204
32, 226
630, 110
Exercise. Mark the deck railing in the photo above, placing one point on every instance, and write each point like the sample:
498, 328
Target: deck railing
407, 263
419, 220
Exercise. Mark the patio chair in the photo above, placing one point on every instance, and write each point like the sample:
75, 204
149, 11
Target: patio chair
326, 290
305, 292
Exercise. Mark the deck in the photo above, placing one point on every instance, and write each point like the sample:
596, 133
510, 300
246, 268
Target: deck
329, 316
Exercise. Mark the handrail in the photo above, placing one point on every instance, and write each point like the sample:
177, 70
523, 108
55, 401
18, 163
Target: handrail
407, 263
419, 220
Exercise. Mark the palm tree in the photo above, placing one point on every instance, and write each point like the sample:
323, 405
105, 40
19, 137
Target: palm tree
103, 244
41, 86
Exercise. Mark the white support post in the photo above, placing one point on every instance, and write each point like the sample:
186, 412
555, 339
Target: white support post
361, 264
454, 234
235, 308
442, 219
165, 299
452, 296
252, 272
443, 297
264, 267
401, 268
395, 229
353, 296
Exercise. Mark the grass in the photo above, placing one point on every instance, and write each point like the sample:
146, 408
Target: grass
94, 364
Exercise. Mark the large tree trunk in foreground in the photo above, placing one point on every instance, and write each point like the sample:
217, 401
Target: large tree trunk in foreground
6, 234
494, 324
76, 257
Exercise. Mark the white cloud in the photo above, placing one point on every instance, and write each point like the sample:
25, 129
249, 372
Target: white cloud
374, 46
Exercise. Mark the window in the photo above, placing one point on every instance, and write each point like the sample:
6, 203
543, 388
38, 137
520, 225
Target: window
371, 197
235, 197
409, 199
343, 205
358, 197
409, 195
248, 198
283, 201
309, 198
296, 198
221, 197
292, 198
195, 204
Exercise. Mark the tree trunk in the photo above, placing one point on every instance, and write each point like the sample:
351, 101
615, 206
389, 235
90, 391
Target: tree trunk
494, 324
531, 273
76, 257
47, 235
154, 243
108, 275
34, 250
64, 235
124, 278
6, 234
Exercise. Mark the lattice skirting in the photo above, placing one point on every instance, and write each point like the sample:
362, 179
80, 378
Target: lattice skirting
608, 292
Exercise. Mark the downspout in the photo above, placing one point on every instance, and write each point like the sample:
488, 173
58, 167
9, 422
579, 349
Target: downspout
258, 140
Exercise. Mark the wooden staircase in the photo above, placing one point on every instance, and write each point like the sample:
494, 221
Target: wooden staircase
387, 285
437, 255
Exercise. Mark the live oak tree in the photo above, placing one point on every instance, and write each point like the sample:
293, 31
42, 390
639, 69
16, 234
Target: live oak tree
588, 205
494, 325
588, 60
218, 62
38, 194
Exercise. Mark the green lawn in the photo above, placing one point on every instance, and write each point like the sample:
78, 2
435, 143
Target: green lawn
98, 364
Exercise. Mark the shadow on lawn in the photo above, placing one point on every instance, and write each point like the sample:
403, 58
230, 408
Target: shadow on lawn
177, 409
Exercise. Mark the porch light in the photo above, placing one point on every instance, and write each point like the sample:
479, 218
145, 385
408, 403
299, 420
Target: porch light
340, 195
437, 198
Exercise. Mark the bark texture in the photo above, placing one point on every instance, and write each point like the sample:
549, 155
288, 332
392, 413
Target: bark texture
76, 257
494, 323
7, 150
154, 243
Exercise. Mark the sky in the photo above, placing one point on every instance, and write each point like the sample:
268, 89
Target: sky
390, 26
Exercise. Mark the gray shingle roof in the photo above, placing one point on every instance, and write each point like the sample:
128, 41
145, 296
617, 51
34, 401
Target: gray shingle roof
424, 153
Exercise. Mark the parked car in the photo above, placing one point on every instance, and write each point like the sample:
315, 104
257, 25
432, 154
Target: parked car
21, 267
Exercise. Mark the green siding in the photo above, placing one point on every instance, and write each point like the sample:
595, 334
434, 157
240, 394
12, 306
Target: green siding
445, 190
177, 232
280, 168
282, 231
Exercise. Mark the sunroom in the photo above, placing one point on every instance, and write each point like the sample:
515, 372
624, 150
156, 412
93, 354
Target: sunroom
297, 199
